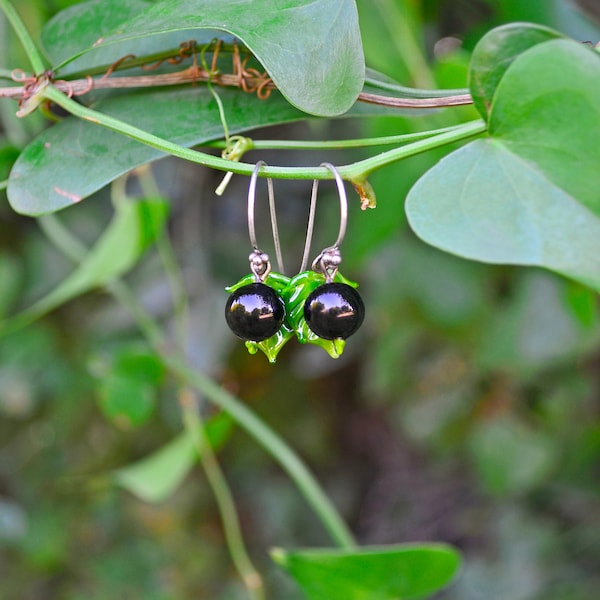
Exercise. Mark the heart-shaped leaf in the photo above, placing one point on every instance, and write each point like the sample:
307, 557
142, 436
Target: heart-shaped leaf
529, 194
310, 48
73, 32
495, 52
380, 573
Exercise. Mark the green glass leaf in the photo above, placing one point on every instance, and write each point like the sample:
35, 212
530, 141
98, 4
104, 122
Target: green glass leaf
275, 343
528, 194
295, 295
310, 48
156, 477
294, 292
495, 52
277, 281
379, 573
115, 253
272, 346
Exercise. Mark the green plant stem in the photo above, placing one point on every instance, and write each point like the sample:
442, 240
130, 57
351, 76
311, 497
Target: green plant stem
404, 39
168, 258
360, 170
387, 140
356, 172
191, 415
403, 91
260, 431
3, 184
35, 58
195, 427
263, 434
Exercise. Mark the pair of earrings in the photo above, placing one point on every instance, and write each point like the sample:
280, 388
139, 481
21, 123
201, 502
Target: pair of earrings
318, 306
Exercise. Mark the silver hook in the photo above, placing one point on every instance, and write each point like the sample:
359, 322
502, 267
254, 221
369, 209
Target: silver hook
259, 261
330, 258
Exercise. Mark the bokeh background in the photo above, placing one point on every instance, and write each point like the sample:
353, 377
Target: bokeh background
466, 409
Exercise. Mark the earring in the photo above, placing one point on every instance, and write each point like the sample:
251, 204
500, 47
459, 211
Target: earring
255, 310
324, 307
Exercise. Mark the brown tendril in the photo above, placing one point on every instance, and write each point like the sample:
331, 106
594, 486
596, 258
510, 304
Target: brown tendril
117, 64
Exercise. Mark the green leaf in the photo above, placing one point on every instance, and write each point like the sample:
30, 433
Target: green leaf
8, 156
378, 573
74, 159
510, 457
115, 253
76, 29
310, 48
495, 52
125, 401
42, 181
140, 364
534, 328
156, 477
528, 194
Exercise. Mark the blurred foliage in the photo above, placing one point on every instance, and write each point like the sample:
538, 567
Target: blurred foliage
465, 411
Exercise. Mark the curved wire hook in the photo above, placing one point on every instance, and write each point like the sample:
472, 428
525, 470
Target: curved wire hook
259, 261
331, 250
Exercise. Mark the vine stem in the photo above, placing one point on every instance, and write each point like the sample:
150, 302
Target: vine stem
168, 258
191, 416
355, 172
194, 426
387, 140
33, 54
62, 238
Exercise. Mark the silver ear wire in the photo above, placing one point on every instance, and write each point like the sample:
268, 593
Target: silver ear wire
329, 260
259, 261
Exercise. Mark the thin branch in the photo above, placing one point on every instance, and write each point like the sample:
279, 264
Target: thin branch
387, 140
196, 74
456, 100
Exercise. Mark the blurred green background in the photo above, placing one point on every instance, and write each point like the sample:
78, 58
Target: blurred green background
466, 410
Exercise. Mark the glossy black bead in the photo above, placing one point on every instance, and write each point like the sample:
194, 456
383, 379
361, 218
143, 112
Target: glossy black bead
254, 312
334, 310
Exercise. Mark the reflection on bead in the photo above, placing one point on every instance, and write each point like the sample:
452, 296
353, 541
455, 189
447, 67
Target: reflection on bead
334, 311
254, 312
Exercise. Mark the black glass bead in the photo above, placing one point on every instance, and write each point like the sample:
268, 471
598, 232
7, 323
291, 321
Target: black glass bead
334, 310
254, 312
